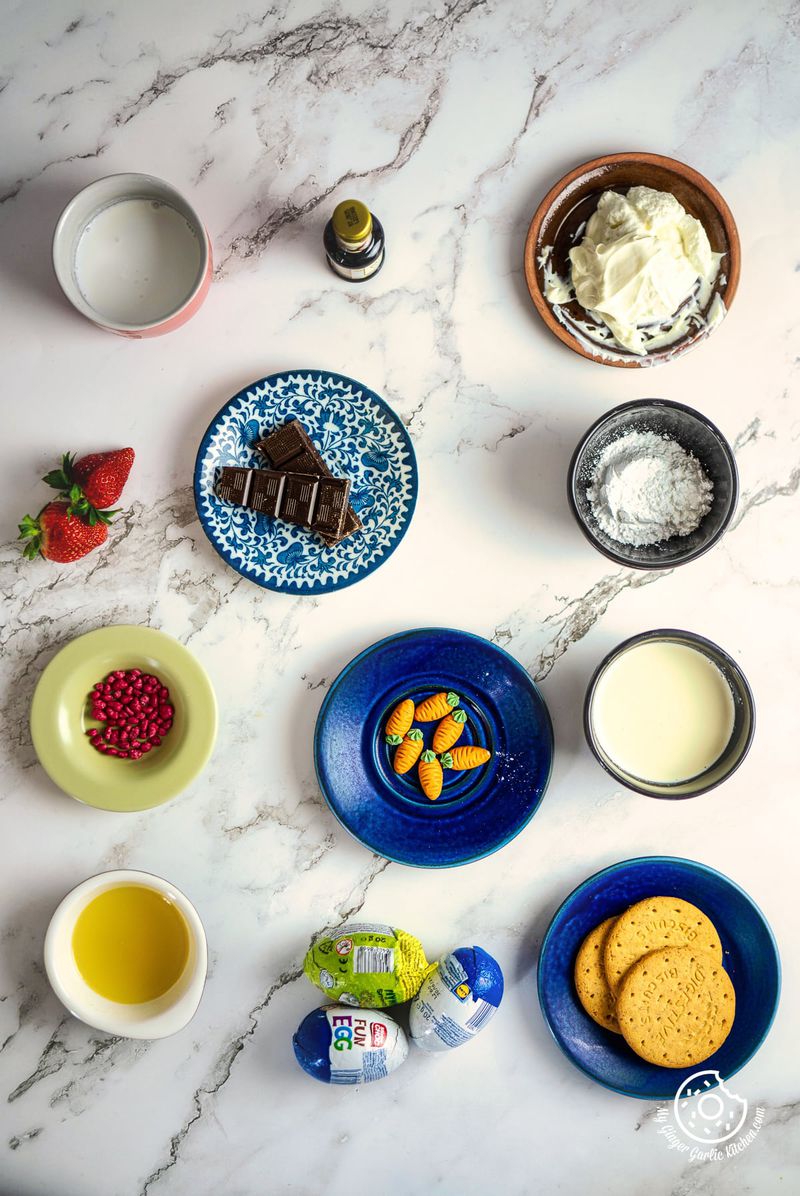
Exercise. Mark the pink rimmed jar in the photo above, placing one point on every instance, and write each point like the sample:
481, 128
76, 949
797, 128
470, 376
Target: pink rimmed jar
132, 255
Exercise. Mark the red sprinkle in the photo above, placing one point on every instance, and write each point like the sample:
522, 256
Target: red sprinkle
135, 711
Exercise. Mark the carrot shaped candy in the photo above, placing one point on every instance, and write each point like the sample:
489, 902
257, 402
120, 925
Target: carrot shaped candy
466, 757
430, 775
449, 731
436, 707
408, 751
400, 719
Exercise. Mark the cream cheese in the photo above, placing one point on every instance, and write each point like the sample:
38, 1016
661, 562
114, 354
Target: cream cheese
611, 335
644, 268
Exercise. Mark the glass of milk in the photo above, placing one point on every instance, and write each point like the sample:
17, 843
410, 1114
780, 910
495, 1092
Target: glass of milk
669, 714
132, 255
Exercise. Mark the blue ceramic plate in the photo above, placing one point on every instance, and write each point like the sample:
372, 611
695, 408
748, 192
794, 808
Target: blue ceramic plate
359, 437
480, 810
750, 956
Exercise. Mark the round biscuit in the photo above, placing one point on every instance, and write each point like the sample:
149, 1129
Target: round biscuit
676, 1006
591, 985
653, 923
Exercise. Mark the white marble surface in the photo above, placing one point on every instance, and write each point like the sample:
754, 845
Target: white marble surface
451, 119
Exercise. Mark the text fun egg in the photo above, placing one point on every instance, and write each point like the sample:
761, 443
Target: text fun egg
341, 1045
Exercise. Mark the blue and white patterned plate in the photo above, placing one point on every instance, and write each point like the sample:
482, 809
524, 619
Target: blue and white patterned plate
360, 438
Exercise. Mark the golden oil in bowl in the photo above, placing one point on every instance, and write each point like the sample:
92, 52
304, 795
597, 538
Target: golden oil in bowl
131, 944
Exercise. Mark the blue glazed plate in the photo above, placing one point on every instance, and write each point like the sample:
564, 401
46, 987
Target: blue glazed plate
479, 810
359, 437
750, 956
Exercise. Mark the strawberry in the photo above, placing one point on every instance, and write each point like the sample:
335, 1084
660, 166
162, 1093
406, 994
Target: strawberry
60, 535
93, 483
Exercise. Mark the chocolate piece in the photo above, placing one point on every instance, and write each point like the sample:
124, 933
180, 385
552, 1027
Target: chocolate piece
299, 499
266, 490
284, 443
233, 484
305, 462
331, 507
292, 445
351, 524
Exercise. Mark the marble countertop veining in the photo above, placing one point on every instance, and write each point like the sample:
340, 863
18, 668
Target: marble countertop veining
451, 119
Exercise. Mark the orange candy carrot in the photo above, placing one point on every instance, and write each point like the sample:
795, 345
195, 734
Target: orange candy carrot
449, 731
466, 757
400, 719
436, 707
408, 751
431, 776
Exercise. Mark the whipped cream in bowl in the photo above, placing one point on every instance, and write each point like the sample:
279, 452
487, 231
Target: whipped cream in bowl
632, 259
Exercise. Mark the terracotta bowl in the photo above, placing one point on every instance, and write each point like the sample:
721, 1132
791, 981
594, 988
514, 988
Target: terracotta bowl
573, 200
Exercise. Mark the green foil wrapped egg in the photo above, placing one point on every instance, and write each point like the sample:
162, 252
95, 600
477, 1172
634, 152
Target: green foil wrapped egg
367, 965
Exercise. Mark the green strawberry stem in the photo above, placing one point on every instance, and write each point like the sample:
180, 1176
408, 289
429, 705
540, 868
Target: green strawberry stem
61, 479
30, 531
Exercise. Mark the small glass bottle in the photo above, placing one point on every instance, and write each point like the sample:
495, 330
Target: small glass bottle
354, 241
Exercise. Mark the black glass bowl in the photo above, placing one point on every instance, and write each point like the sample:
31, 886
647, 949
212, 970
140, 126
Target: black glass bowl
744, 718
694, 433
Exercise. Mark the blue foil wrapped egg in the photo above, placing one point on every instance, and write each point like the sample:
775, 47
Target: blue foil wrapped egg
341, 1045
457, 1000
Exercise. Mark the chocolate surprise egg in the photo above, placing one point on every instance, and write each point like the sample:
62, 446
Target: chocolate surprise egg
367, 965
340, 1045
457, 999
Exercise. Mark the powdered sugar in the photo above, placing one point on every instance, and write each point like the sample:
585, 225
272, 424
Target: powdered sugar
645, 488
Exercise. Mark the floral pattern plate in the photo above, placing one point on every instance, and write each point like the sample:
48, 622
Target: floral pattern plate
360, 438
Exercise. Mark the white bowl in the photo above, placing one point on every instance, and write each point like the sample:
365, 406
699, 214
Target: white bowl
124, 268
149, 1019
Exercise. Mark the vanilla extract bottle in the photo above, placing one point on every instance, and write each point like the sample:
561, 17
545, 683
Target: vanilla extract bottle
354, 241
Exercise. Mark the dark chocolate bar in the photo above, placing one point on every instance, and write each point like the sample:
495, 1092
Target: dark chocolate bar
292, 445
307, 500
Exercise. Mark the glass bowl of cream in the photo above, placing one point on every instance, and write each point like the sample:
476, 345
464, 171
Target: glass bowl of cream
653, 484
669, 714
631, 259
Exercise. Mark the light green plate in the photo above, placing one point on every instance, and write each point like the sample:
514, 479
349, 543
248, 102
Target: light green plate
60, 720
